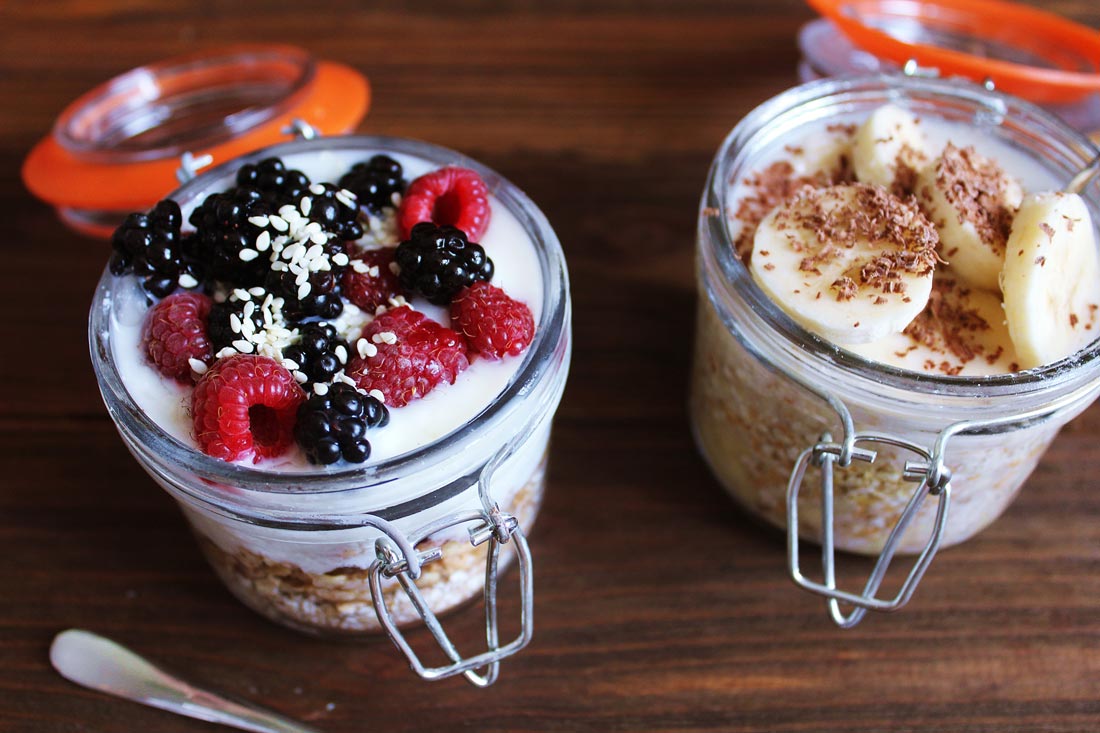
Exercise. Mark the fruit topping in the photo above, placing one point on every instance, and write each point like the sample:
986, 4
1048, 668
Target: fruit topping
370, 280
245, 406
150, 245
449, 196
319, 353
332, 424
494, 324
403, 355
228, 225
271, 178
377, 183
175, 338
310, 283
438, 261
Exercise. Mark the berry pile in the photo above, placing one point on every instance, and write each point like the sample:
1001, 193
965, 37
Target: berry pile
291, 318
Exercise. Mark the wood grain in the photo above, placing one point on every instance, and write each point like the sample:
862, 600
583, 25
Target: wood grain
659, 606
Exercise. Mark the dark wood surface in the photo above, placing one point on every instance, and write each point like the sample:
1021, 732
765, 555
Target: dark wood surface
659, 606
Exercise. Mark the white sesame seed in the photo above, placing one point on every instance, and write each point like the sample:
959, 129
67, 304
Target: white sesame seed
300, 378
321, 389
279, 223
198, 367
256, 290
248, 328
293, 252
288, 212
345, 200
303, 290
243, 346
340, 259
248, 255
226, 351
377, 394
374, 271
240, 294
249, 309
318, 237
260, 221
358, 266
303, 276
278, 266
290, 365
235, 322
312, 227
380, 310
361, 346
314, 252
306, 205
317, 189
187, 281
341, 354
263, 241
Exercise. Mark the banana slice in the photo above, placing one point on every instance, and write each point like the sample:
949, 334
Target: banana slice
1051, 278
962, 332
972, 201
852, 263
889, 148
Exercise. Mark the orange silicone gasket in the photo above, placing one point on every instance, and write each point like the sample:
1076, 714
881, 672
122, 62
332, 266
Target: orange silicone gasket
334, 103
1027, 27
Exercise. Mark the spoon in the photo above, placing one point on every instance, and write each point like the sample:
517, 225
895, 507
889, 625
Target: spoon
101, 664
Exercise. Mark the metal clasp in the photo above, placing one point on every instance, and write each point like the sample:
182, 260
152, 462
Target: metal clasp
492, 526
496, 528
934, 480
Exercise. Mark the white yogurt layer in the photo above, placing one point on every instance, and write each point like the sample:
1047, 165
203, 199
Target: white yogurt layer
444, 410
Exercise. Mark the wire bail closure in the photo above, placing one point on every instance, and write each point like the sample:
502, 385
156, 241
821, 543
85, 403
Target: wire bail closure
490, 525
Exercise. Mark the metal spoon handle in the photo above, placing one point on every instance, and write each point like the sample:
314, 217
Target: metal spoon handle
101, 664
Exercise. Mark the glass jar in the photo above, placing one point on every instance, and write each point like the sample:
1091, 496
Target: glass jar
335, 551
772, 402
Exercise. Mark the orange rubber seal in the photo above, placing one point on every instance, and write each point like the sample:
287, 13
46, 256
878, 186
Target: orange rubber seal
1070, 50
334, 103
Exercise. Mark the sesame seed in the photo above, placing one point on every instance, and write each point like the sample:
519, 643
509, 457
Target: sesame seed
278, 266
260, 221
256, 290
300, 378
241, 294
306, 205
341, 377
377, 394
248, 328
198, 367
318, 237
225, 351
317, 189
235, 322
187, 281
293, 252
341, 354
303, 290
321, 389
340, 259
290, 365
248, 255
243, 346
359, 266
315, 251
279, 223
373, 271
263, 241
361, 346
303, 276
249, 309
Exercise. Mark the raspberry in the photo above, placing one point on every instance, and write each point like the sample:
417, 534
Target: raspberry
245, 405
373, 283
422, 356
449, 196
175, 332
494, 324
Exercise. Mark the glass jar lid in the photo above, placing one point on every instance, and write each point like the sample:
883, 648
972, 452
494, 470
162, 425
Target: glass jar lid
1026, 51
117, 148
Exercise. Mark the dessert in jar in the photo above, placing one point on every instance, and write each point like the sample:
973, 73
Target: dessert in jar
889, 269
342, 356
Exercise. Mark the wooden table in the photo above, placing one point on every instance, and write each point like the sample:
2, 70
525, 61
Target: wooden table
659, 606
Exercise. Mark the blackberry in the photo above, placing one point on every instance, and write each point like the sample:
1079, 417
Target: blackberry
150, 245
323, 300
333, 425
219, 324
223, 228
375, 182
332, 214
438, 261
274, 181
316, 353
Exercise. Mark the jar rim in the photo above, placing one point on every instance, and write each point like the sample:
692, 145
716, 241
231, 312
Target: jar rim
542, 372
727, 277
